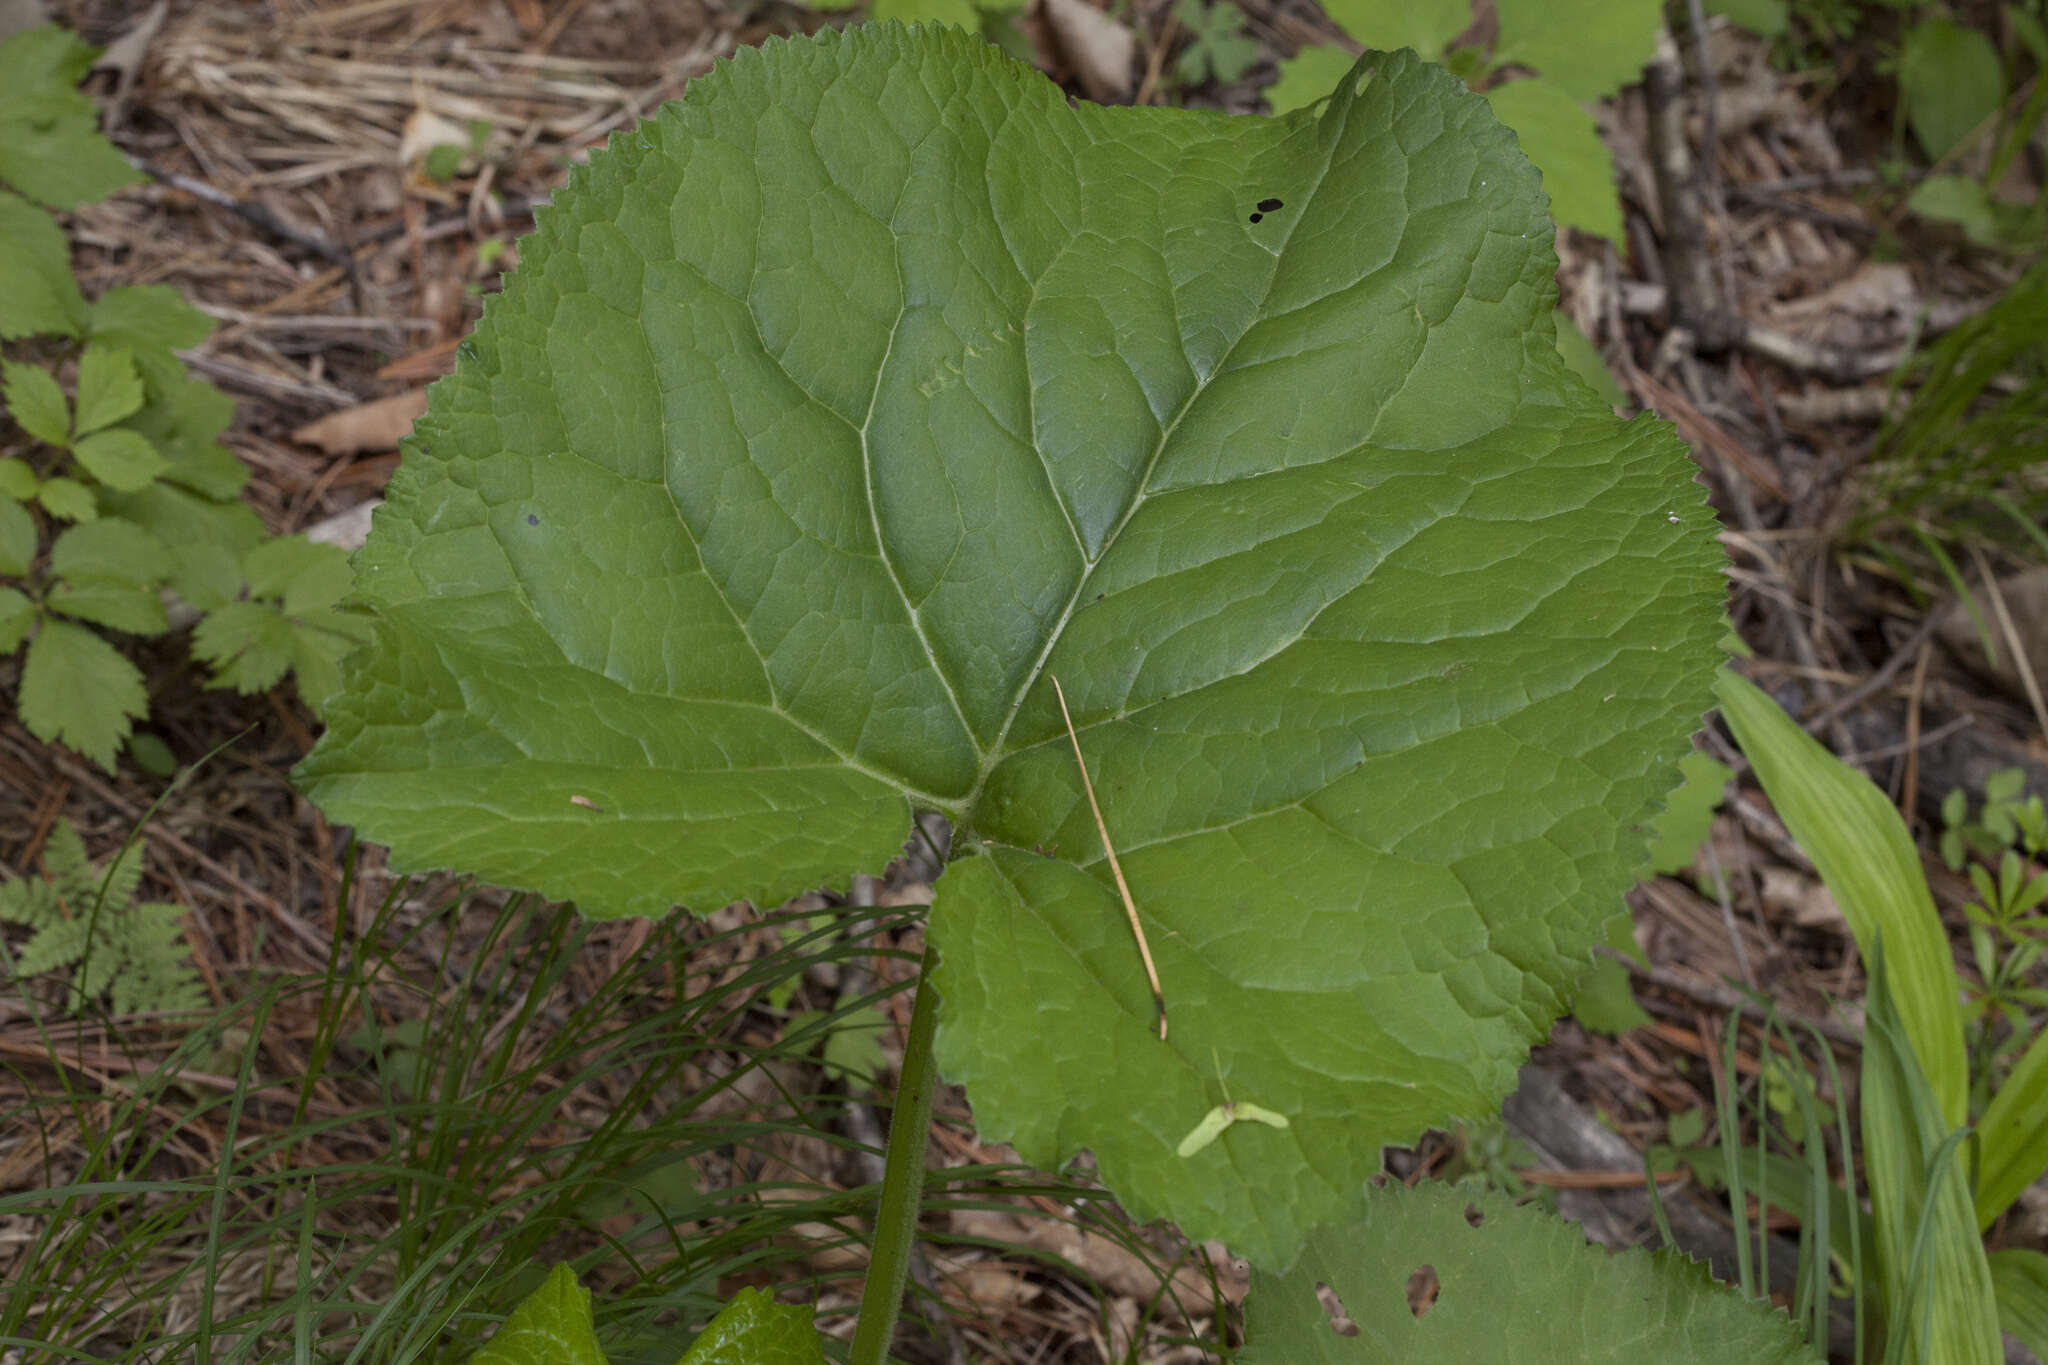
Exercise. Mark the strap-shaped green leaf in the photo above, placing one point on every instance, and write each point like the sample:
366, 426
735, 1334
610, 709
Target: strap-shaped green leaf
835, 411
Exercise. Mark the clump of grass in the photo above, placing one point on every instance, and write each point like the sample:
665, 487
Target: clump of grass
1962, 459
391, 1202
377, 1162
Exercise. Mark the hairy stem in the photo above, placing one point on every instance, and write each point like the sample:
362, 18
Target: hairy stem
902, 1180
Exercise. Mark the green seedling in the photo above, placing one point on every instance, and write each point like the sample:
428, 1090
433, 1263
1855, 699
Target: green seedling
1223, 1115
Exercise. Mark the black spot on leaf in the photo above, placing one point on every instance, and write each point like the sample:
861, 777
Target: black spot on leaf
1271, 205
532, 520
1257, 216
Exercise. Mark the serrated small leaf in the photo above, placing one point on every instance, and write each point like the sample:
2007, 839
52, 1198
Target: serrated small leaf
206, 575
1562, 139
108, 388
320, 641
184, 421
753, 1329
1951, 80
1688, 817
249, 645
1964, 201
38, 293
308, 576
1389, 25
18, 538
1589, 48
147, 316
77, 690
551, 1326
959, 12
122, 459
853, 1044
207, 539
108, 571
1765, 18
51, 148
111, 548
1585, 361
67, 499
17, 615
35, 402
121, 606
1606, 1002
1306, 77
17, 481
1512, 1283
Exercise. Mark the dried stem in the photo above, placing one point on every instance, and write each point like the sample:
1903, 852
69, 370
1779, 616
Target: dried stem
1116, 869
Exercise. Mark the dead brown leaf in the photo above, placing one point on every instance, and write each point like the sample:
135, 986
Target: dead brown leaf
1097, 49
377, 425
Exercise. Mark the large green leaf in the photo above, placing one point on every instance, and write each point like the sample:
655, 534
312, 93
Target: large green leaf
1512, 1283
836, 411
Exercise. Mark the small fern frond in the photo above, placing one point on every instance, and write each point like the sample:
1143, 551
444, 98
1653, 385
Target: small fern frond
86, 917
158, 975
57, 944
29, 901
70, 869
117, 883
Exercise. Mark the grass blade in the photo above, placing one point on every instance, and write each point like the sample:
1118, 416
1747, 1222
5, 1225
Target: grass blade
1867, 859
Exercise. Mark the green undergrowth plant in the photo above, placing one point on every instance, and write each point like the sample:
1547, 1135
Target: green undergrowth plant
118, 493
1218, 47
1579, 53
270, 1188
1969, 110
89, 933
2001, 850
1951, 1133
1196, 513
1959, 464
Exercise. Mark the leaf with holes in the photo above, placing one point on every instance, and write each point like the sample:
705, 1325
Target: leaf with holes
836, 411
1443, 1272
